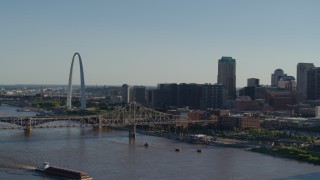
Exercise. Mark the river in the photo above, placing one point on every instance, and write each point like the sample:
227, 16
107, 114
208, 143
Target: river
110, 154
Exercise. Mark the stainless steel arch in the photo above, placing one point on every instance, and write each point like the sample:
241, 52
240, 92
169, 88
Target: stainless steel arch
83, 90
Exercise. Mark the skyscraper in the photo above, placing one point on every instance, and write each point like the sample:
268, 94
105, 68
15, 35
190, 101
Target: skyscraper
302, 72
275, 77
227, 76
313, 84
125, 93
139, 94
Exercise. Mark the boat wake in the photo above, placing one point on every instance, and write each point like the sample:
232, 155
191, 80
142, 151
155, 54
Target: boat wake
11, 163
16, 166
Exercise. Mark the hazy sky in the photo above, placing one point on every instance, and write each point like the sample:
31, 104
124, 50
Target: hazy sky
145, 42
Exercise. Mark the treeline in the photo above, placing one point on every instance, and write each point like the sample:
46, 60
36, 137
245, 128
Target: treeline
48, 104
290, 153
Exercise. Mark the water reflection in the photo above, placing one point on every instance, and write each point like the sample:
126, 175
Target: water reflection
27, 132
132, 142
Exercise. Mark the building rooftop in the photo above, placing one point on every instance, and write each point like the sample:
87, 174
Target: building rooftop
278, 71
287, 78
227, 59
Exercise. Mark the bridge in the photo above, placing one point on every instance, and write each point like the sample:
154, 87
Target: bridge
132, 114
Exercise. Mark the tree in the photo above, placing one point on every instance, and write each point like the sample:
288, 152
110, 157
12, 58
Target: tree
312, 139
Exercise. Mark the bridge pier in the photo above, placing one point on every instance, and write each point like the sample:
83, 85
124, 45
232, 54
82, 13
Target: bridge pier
27, 132
99, 125
132, 131
28, 127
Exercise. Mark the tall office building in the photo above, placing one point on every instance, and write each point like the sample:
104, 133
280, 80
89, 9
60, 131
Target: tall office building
302, 72
253, 82
165, 95
313, 84
227, 76
125, 93
275, 77
211, 96
139, 94
189, 95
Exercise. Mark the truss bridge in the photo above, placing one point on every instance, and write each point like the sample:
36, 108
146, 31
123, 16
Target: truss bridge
130, 115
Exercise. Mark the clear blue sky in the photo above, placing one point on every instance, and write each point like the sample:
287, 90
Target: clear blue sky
145, 42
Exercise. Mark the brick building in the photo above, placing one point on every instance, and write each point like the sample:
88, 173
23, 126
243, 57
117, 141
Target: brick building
240, 122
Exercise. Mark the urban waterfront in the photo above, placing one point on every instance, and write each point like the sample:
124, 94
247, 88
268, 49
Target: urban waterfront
110, 154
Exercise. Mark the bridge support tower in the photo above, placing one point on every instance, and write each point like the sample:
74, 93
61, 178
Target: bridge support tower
99, 124
132, 131
28, 127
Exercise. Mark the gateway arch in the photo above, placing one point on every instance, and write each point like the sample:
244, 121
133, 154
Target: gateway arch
83, 90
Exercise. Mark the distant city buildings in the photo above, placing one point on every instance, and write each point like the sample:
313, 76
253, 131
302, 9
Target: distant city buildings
165, 95
287, 95
227, 76
189, 95
125, 93
275, 77
211, 96
282, 93
302, 77
287, 82
313, 84
194, 96
253, 82
251, 97
139, 94
279, 99
247, 121
248, 91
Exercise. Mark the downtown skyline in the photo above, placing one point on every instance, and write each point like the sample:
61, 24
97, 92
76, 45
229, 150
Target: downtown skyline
146, 43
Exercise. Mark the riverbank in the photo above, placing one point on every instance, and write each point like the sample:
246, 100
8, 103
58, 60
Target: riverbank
222, 142
290, 153
282, 152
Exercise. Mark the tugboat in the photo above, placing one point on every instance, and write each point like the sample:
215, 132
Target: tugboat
146, 145
58, 171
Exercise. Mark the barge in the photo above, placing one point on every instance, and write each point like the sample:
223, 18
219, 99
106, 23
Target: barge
62, 172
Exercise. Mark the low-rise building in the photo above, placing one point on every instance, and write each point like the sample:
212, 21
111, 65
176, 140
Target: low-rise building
290, 122
240, 122
280, 99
